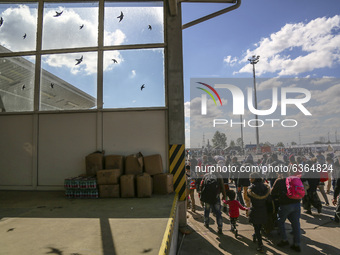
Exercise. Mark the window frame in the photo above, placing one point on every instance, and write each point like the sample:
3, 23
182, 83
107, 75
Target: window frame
100, 49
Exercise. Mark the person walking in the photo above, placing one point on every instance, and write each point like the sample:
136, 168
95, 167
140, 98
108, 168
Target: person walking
211, 188
190, 189
234, 210
336, 202
258, 193
289, 208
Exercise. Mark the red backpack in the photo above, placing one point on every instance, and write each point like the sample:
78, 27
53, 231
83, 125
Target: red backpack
323, 176
295, 189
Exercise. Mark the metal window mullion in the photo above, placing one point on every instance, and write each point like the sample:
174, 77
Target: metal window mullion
38, 56
36, 98
100, 63
100, 55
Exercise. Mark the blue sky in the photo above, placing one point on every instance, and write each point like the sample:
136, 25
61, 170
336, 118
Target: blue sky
294, 39
207, 44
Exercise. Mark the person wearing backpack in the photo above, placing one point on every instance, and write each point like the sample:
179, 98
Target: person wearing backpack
311, 197
211, 187
289, 191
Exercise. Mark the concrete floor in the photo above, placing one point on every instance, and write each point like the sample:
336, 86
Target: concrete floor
319, 235
40, 222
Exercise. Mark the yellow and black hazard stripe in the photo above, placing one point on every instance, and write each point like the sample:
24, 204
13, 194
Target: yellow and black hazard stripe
167, 238
177, 168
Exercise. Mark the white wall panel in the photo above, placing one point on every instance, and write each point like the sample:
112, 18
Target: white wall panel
16, 150
126, 133
64, 141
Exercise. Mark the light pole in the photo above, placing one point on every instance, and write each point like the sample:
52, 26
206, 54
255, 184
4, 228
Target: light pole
254, 60
242, 144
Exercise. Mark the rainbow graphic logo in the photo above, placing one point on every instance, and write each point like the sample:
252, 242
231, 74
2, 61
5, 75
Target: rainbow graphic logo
209, 93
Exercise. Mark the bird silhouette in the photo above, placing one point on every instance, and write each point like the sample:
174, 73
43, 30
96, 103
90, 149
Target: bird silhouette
114, 60
81, 27
52, 85
142, 87
54, 251
1, 21
24, 37
150, 27
11, 229
23, 87
79, 60
147, 250
58, 14
121, 16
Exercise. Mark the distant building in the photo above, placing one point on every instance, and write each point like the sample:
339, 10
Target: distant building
17, 88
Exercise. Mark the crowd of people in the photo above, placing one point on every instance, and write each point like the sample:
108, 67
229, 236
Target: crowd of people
268, 197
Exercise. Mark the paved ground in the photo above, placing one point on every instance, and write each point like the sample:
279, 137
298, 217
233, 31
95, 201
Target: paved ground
319, 235
38, 222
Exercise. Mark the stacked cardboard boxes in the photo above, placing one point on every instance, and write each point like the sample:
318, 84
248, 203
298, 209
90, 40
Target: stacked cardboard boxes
153, 164
144, 185
94, 162
163, 184
108, 181
130, 176
127, 187
115, 162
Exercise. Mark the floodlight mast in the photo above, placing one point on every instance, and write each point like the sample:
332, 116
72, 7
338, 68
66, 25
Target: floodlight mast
254, 60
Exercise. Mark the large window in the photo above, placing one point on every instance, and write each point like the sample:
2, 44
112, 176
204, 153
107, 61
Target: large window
76, 60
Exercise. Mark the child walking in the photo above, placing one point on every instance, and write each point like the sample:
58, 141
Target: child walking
234, 211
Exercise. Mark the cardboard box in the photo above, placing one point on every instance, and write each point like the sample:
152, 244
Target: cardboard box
94, 163
144, 185
114, 162
134, 164
109, 176
153, 164
127, 185
109, 191
163, 183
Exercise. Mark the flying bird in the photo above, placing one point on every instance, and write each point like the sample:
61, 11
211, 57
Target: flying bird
150, 27
1, 21
121, 16
79, 60
81, 27
23, 87
142, 87
24, 36
114, 60
58, 14
52, 85
11, 229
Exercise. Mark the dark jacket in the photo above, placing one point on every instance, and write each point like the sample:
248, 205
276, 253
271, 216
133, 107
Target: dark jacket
337, 189
258, 193
279, 191
243, 177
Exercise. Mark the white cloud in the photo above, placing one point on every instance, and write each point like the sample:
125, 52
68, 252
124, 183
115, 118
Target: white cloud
60, 32
17, 22
269, 84
230, 60
114, 38
322, 81
133, 74
187, 109
317, 40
